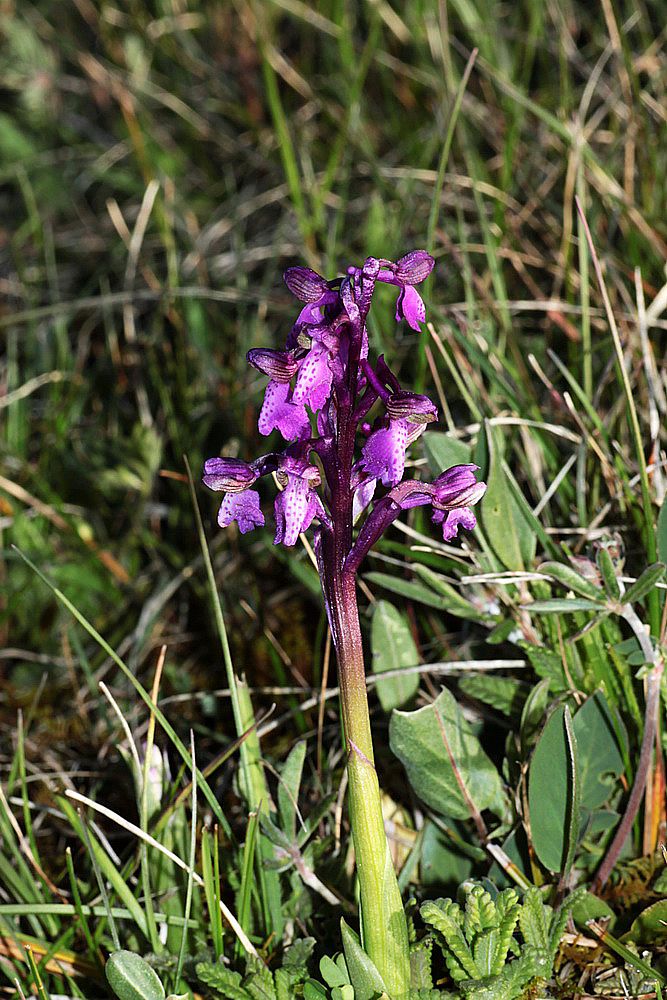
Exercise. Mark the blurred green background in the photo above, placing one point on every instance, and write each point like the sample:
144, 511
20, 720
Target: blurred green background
162, 163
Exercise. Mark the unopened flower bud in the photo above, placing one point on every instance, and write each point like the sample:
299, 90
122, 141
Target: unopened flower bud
280, 366
228, 474
411, 406
305, 284
414, 267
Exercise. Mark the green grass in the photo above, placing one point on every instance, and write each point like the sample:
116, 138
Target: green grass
160, 166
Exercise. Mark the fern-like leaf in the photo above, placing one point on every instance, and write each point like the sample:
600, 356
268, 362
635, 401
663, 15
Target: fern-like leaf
484, 951
508, 909
457, 954
534, 920
259, 982
420, 964
222, 981
480, 913
559, 919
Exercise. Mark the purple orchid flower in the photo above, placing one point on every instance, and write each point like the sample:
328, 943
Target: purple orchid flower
311, 288
456, 491
298, 503
383, 455
325, 369
240, 504
411, 270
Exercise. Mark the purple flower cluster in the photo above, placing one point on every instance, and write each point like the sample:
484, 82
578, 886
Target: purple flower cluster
321, 390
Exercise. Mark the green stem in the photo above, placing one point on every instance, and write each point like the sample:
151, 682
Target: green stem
383, 923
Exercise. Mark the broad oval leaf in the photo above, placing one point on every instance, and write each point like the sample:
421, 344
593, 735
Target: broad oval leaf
443, 451
443, 758
650, 927
132, 978
549, 793
393, 647
505, 525
598, 729
590, 907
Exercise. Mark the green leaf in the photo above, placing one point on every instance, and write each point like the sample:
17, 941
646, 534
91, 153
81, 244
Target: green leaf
598, 751
549, 788
533, 713
591, 907
132, 978
645, 584
439, 861
343, 993
561, 604
650, 927
313, 990
440, 754
420, 965
392, 648
288, 788
662, 533
455, 604
334, 973
259, 983
555, 815
221, 980
443, 451
298, 954
573, 808
364, 976
571, 579
534, 920
408, 588
505, 694
547, 664
606, 566
508, 532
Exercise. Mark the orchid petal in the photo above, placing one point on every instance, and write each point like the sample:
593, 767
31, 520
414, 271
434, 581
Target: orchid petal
362, 497
414, 267
277, 412
383, 455
450, 524
313, 383
306, 284
229, 474
243, 508
410, 307
294, 510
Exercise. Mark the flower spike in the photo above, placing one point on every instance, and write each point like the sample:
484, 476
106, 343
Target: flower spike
324, 379
323, 368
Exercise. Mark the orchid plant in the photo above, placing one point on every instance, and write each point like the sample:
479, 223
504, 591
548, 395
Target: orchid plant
321, 392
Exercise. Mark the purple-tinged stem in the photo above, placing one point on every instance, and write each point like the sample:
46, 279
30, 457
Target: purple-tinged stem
383, 923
